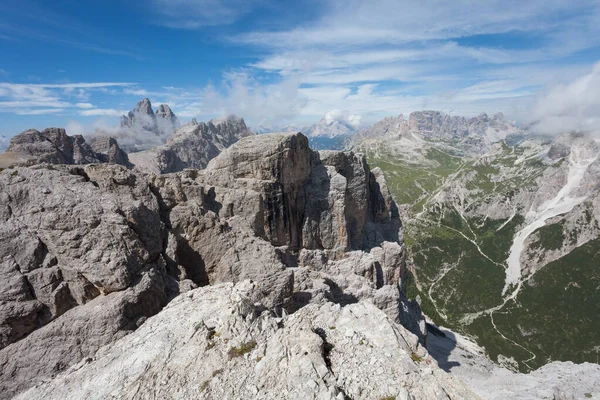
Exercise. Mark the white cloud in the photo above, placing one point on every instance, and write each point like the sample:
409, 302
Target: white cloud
76, 128
354, 120
357, 56
392, 22
245, 96
4, 142
102, 111
192, 14
40, 111
342, 116
39, 99
571, 106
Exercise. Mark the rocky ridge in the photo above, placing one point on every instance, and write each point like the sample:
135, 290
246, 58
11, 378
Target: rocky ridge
217, 342
54, 146
142, 117
191, 146
468, 135
99, 248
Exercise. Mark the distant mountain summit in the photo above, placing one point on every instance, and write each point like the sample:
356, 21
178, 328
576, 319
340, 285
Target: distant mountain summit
474, 135
326, 128
192, 146
163, 122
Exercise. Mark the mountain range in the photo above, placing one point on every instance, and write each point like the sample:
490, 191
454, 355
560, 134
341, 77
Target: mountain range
502, 236
438, 256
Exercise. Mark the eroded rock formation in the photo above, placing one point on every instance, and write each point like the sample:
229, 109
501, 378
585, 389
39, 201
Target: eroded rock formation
54, 146
90, 252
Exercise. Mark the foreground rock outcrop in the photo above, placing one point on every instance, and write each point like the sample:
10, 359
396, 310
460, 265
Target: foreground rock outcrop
218, 342
89, 252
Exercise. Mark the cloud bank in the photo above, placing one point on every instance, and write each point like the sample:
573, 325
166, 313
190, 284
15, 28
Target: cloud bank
571, 106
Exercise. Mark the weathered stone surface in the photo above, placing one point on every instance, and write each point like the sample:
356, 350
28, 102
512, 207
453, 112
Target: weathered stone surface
142, 119
54, 146
305, 227
69, 234
79, 333
108, 150
214, 342
191, 146
471, 135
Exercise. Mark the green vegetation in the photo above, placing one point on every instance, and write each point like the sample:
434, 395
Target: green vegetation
244, 348
204, 386
415, 357
551, 237
408, 181
557, 312
14, 173
458, 262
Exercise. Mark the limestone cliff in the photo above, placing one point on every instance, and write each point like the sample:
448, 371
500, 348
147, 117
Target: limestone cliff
90, 252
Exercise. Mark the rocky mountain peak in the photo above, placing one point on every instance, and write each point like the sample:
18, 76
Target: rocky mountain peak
164, 111
192, 146
144, 107
296, 230
142, 118
54, 146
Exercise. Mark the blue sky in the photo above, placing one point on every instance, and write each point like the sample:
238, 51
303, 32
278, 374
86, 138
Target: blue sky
81, 64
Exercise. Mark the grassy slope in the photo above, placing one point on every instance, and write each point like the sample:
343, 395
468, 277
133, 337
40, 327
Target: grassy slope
544, 319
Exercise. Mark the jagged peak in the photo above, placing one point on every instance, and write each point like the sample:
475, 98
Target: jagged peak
227, 118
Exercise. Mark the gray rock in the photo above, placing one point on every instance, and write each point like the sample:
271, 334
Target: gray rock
214, 342
54, 146
108, 150
191, 146
109, 246
142, 120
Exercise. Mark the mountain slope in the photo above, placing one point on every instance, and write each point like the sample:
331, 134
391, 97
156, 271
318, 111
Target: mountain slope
497, 238
92, 252
191, 146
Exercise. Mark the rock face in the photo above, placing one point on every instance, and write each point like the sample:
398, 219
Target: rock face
91, 252
330, 128
481, 128
108, 150
54, 146
472, 135
192, 146
80, 257
218, 342
143, 118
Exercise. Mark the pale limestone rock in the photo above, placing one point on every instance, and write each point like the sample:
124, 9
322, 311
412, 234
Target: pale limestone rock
214, 342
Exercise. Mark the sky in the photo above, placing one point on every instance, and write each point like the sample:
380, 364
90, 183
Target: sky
82, 64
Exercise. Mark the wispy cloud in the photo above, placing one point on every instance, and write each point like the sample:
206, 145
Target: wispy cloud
50, 98
192, 14
459, 55
103, 112
40, 111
